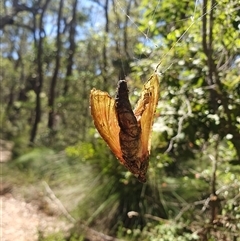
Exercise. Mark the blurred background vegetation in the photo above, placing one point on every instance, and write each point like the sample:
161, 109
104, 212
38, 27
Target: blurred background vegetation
54, 52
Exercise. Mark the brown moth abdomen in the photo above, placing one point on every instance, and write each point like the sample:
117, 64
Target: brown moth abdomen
130, 130
130, 134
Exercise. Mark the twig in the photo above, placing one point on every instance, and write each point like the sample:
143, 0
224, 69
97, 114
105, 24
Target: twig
180, 125
184, 209
58, 202
205, 204
156, 218
92, 234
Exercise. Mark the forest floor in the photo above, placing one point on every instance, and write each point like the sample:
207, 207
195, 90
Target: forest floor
24, 221
21, 219
29, 212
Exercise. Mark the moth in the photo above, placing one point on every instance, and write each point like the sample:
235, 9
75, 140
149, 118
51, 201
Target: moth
127, 132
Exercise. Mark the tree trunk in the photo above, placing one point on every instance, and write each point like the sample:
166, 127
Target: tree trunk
218, 93
39, 79
52, 93
104, 52
72, 48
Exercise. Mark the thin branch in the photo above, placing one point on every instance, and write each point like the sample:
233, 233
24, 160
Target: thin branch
180, 125
58, 202
155, 218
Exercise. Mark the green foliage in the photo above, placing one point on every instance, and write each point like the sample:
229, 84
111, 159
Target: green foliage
36, 159
83, 150
168, 231
53, 237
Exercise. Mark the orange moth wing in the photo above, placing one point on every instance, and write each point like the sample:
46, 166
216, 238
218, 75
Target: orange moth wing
105, 120
145, 110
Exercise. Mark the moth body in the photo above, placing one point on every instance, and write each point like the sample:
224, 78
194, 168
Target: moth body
127, 132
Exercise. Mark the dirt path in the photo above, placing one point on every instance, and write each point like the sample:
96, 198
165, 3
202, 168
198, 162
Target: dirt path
23, 221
